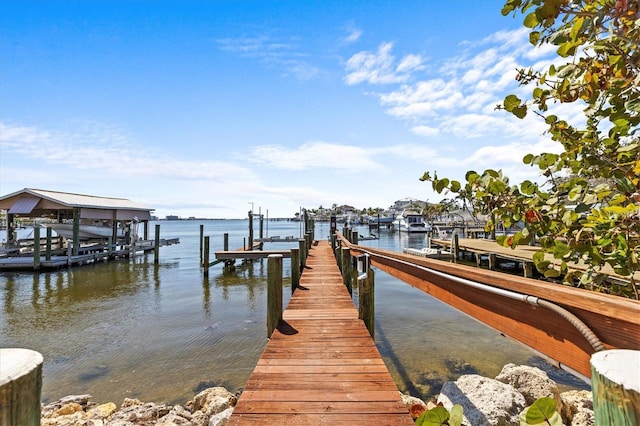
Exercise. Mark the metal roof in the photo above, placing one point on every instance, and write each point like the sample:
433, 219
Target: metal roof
75, 200
24, 205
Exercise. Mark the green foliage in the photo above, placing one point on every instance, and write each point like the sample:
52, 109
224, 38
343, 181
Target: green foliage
589, 209
439, 416
542, 411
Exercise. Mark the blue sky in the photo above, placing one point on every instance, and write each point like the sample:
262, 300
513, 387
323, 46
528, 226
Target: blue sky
201, 108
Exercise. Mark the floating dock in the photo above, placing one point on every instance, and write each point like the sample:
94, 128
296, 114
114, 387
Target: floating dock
321, 365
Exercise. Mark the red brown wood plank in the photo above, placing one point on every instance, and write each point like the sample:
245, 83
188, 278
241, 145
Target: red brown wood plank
320, 366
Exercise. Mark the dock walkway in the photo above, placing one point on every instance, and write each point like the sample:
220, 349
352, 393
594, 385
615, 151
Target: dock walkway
321, 366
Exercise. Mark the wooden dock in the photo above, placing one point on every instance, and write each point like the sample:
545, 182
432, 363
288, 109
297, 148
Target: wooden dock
86, 254
521, 254
321, 366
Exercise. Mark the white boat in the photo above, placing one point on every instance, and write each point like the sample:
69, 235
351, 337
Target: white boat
411, 222
86, 232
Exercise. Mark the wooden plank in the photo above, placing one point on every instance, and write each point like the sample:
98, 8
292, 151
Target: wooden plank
320, 365
249, 254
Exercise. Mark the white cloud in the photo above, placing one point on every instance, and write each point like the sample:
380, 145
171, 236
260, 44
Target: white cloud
353, 34
315, 155
279, 53
379, 67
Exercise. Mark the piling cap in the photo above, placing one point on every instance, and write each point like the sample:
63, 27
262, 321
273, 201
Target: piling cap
16, 362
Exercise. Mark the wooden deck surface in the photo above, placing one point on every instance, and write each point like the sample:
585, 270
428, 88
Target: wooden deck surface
321, 366
522, 253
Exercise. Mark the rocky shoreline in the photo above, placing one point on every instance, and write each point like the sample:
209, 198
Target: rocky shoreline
485, 401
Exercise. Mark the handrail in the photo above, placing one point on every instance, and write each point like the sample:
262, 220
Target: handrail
600, 321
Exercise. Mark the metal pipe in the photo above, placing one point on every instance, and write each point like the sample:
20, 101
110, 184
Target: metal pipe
588, 334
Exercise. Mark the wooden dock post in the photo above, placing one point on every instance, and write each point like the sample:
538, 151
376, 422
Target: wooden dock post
345, 263
20, 387
302, 245
36, 248
295, 268
205, 254
202, 262
615, 383
366, 303
274, 292
156, 247
354, 237
455, 248
250, 230
47, 254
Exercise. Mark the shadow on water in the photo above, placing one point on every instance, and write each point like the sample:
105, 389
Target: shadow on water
384, 346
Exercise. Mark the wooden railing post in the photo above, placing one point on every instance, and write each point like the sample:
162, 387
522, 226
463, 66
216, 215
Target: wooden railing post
295, 268
616, 387
302, 245
205, 256
346, 268
274, 292
20, 387
48, 249
36, 247
455, 248
366, 302
156, 247
201, 245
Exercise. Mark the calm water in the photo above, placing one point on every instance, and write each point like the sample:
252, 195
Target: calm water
162, 332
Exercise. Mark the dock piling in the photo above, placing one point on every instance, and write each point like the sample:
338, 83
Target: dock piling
274, 292
156, 249
205, 254
295, 269
20, 387
36, 248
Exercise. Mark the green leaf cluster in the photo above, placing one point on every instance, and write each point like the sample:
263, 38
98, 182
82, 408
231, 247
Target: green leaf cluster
439, 416
588, 211
542, 411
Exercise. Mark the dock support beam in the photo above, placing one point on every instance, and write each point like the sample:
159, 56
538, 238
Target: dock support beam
302, 245
295, 269
205, 254
156, 247
274, 292
616, 387
202, 262
48, 249
20, 387
366, 302
36, 248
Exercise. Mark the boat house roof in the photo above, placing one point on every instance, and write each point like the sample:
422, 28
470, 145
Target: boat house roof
42, 203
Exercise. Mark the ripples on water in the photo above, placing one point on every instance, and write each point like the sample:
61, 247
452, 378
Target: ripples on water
161, 333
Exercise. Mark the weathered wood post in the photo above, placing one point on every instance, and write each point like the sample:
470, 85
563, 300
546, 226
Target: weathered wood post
307, 237
295, 268
36, 248
201, 245
225, 242
261, 222
302, 245
455, 248
47, 255
615, 384
346, 268
76, 231
205, 256
274, 292
156, 247
250, 231
20, 387
366, 303
354, 237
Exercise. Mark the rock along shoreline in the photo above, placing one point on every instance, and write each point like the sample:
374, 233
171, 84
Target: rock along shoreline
486, 401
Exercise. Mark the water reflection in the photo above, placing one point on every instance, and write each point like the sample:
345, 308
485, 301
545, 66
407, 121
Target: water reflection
158, 332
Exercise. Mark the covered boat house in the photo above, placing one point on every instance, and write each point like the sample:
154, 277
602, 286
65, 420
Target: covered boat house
77, 211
